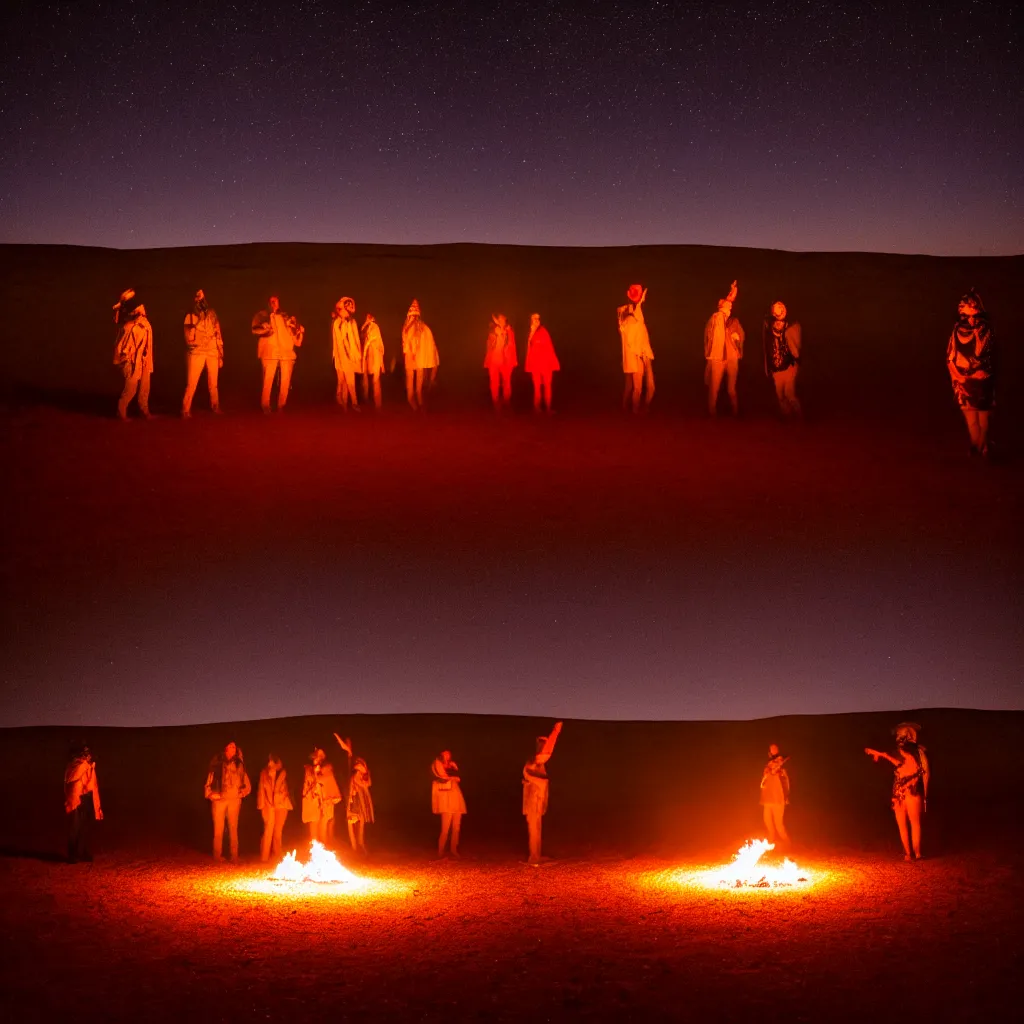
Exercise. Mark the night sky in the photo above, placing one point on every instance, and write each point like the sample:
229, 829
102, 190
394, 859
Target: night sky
883, 126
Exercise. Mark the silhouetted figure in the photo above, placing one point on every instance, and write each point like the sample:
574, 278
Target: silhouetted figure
279, 334
133, 352
971, 361
500, 360
360, 804
227, 784
81, 803
775, 795
535, 791
320, 795
541, 363
782, 340
446, 799
637, 355
347, 349
419, 351
909, 785
373, 360
723, 350
274, 802
204, 350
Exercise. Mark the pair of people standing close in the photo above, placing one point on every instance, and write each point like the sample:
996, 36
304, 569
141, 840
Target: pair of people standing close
322, 796
501, 359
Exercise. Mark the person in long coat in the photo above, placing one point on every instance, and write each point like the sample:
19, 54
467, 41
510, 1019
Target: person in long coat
81, 803
360, 804
347, 348
637, 354
535, 791
541, 363
500, 359
133, 352
419, 351
279, 334
227, 785
320, 795
446, 799
971, 361
783, 340
373, 360
911, 775
723, 350
273, 801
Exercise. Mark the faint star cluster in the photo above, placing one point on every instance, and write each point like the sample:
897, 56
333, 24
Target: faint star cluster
800, 125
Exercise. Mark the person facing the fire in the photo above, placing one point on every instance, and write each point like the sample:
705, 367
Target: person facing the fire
535, 791
274, 802
279, 334
971, 361
500, 359
723, 350
911, 773
419, 351
133, 352
320, 795
227, 785
775, 795
637, 355
446, 799
81, 803
360, 804
348, 352
541, 363
204, 350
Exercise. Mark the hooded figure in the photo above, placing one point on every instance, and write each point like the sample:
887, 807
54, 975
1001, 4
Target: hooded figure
320, 794
500, 360
535, 791
204, 350
723, 350
637, 355
541, 363
911, 775
782, 343
279, 334
971, 361
373, 359
227, 784
419, 351
133, 352
348, 352
81, 803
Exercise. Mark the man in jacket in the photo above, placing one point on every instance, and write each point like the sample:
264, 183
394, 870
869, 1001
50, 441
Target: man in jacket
133, 352
81, 803
723, 350
204, 349
279, 336
227, 784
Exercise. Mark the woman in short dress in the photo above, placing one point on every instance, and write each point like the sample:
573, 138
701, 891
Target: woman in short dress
971, 358
360, 804
447, 800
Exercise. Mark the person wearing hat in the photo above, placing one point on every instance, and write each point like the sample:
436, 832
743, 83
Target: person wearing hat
360, 804
723, 350
535, 791
133, 352
971, 361
373, 359
279, 334
541, 363
320, 795
419, 351
227, 784
446, 800
348, 352
775, 795
204, 350
637, 354
911, 774
81, 803
500, 359
782, 340
274, 802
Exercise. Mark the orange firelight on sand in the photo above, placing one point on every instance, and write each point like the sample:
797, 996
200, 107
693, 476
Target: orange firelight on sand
322, 867
746, 871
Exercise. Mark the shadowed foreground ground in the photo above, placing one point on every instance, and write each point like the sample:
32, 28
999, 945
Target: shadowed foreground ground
175, 938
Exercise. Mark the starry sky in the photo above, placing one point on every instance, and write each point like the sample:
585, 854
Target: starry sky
798, 125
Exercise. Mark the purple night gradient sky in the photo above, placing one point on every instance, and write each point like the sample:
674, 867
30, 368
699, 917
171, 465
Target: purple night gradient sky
882, 126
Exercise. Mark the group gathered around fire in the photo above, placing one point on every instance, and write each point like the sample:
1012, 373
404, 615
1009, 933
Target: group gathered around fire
359, 352
324, 798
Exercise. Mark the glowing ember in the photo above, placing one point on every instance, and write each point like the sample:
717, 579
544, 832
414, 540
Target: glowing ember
747, 871
322, 866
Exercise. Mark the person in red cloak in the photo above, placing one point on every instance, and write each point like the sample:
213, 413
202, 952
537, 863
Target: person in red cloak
541, 363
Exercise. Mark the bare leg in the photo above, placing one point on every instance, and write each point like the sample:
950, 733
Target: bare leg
732, 369
410, 388
649, 377
915, 808
769, 822
446, 824
144, 391
533, 826
376, 391
717, 368
456, 828
352, 835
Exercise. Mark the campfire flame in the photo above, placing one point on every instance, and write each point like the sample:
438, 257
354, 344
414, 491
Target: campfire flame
322, 866
745, 870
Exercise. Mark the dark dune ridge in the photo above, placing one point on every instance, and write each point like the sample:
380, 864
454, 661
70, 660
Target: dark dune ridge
625, 788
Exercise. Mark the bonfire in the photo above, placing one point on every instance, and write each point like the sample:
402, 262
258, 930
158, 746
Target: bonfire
322, 866
746, 871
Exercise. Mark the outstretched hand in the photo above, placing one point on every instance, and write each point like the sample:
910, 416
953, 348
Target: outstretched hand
345, 745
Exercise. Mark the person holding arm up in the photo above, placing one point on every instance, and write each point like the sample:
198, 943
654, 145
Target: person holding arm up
535, 791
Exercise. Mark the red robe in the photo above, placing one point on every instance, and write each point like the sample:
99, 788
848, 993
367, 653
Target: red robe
540, 353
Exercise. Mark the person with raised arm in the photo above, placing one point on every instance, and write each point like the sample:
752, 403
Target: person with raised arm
500, 359
637, 355
446, 799
373, 360
971, 361
347, 348
279, 334
541, 363
320, 795
535, 791
911, 774
81, 803
204, 350
723, 350
227, 785
133, 352
274, 802
775, 794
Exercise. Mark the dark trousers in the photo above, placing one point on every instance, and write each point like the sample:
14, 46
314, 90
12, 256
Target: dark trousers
80, 831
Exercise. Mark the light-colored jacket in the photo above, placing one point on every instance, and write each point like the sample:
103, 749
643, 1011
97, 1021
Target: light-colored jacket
320, 792
636, 342
202, 334
373, 349
348, 349
418, 345
501, 348
227, 780
733, 338
134, 345
279, 335
273, 791
79, 779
